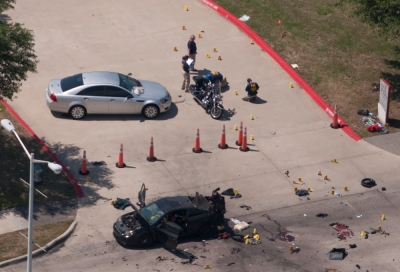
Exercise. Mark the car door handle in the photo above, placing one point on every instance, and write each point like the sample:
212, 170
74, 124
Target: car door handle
86, 98
139, 100
112, 100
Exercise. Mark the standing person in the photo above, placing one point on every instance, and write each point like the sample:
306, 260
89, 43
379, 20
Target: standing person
252, 90
185, 73
192, 51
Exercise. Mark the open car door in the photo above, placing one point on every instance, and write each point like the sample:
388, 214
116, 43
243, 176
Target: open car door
142, 196
168, 233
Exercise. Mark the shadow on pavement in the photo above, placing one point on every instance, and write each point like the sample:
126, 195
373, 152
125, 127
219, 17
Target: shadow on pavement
173, 112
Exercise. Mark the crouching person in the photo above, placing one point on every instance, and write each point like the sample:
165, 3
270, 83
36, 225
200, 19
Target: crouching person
252, 90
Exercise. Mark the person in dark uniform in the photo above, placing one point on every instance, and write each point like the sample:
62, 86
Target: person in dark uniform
192, 51
252, 90
185, 73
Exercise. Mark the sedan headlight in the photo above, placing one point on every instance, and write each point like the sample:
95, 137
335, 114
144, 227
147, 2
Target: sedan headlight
128, 233
165, 99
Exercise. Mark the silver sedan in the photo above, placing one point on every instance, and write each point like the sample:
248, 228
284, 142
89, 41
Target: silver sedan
106, 93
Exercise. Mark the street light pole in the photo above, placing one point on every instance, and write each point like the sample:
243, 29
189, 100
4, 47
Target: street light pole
30, 216
56, 168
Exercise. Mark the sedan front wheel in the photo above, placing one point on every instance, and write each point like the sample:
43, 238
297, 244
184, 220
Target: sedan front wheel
150, 111
77, 112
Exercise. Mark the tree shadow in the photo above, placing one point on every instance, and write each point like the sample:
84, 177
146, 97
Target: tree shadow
4, 17
62, 202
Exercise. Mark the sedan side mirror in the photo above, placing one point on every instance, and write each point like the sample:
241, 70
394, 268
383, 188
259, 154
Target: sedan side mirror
129, 96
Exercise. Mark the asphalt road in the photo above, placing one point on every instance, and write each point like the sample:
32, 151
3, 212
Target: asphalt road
290, 133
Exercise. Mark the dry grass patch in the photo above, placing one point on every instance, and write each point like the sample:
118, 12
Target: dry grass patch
13, 244
339, 56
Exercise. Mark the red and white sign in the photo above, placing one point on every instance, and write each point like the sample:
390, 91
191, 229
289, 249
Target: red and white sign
384, 101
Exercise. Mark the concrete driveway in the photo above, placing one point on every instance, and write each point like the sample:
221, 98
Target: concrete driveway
290, 131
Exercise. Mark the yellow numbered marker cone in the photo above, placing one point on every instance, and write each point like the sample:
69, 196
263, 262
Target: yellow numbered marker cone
235, 92
183, 28
175, 49
219, 58
185, 8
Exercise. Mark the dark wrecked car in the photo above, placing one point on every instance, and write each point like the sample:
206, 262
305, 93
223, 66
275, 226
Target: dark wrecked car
168, 219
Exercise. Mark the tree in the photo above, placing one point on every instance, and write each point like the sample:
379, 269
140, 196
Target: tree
17, 56
384, 14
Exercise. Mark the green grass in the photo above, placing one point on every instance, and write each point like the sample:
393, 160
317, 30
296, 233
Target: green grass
340, 57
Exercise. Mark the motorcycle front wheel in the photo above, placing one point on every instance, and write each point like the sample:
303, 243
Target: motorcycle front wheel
216, 113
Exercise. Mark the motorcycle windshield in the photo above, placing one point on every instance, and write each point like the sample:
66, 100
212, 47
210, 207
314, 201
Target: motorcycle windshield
217, 89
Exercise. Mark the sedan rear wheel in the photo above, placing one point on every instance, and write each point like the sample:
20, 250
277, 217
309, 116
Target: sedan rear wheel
150, 111
145, 240
77, 112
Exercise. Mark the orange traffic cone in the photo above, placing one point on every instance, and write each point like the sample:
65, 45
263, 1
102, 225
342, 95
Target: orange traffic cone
197, 148
335, 123
244, 147
240, 135
120, 163
83, 170
223, 144
151, 157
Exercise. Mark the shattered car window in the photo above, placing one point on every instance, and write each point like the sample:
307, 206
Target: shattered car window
152, 213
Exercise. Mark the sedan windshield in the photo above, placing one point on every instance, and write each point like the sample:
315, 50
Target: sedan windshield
128, 83
152, 212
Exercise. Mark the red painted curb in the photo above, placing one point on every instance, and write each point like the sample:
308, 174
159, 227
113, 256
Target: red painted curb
285, 66
78, 190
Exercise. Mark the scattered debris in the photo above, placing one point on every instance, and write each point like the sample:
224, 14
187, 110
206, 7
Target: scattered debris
358, 266
294, 65
383, 188
229, 264
235, 250
224, 235
359, 216
373, 231
287, 173
368, 182
236, 196
235, 221
201, 256
228, 192
241, 226
363, 112
295, 250
338, 194
330, 269
160, 258
298, 182
121, 203
245, 206
323, 215
244, 18
337, 254
352, 245
204, 242
343, 231
302, 192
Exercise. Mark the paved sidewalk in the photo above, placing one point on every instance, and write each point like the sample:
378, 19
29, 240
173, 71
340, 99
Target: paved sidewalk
389, 142
43, 214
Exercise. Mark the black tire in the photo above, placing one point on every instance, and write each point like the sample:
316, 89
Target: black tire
145, 240
206, 231
151, 111
77, 112
216, 113
368, 182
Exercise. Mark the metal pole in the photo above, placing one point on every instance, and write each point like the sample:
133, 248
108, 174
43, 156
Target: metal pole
30, 219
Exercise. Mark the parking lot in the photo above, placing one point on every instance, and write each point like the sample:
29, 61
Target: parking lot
291, 133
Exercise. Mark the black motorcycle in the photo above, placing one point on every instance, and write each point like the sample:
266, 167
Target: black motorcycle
207, 96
